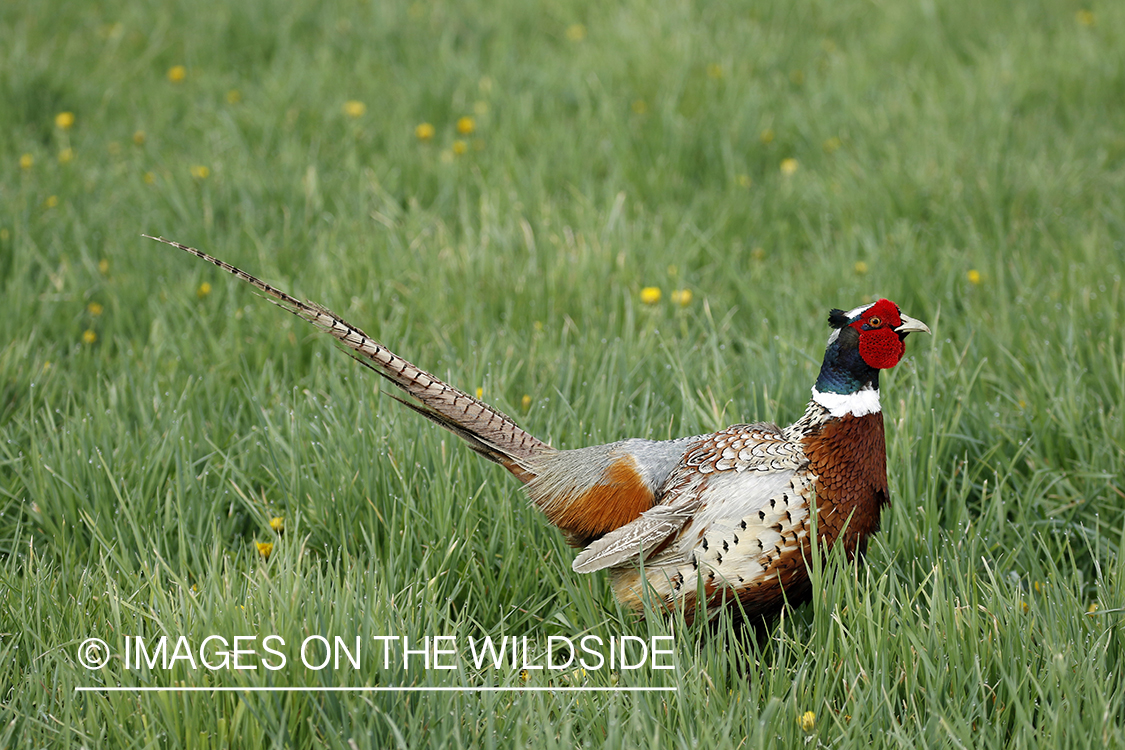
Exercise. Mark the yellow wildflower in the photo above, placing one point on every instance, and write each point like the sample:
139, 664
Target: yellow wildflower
177, 73
234, 96
265, 549
860, 267
200, 172
203, 290
681, 297
465, 125
576, 32
66, 156
650, 295
1085, 17
353, 108
89, 337
460, 147
974, 276
525, 402
788, 166
27, 161
277, 523
64, 120
52, 201
807, 721
1092, 608
149, 178
139, 137
639, 106
480, 392
103, 266
424, 131
95, 309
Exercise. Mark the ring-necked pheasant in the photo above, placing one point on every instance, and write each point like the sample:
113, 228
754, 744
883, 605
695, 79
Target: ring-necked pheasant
721, 517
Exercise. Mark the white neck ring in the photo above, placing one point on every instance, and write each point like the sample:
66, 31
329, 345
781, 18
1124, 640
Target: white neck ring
861, 403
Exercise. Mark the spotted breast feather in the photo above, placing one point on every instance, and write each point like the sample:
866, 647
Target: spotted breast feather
742, 499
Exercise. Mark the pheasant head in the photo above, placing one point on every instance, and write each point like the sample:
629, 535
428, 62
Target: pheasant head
865, 340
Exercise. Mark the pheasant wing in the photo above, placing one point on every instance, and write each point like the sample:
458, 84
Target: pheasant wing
759, 454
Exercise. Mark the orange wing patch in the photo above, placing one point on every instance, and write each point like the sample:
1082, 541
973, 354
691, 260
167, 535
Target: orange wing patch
619, 497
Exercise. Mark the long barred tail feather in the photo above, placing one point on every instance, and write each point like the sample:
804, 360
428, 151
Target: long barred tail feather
487, 431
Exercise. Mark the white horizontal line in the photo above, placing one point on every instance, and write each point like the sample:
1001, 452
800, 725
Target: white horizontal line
392, 689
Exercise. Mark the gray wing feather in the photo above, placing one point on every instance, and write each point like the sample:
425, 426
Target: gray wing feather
653, 527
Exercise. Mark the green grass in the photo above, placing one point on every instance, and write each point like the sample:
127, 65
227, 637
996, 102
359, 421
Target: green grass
138, 471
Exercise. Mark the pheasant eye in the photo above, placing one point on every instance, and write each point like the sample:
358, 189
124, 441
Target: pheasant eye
874, 322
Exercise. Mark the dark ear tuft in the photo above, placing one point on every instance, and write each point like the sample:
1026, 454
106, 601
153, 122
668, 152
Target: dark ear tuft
837, 319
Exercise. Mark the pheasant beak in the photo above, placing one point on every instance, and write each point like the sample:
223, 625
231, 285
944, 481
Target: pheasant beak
910, 324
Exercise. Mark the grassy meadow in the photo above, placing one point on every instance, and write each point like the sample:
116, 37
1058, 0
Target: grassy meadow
490, 188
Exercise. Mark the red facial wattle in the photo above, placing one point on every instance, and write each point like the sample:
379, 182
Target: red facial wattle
881, 348
879, 345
